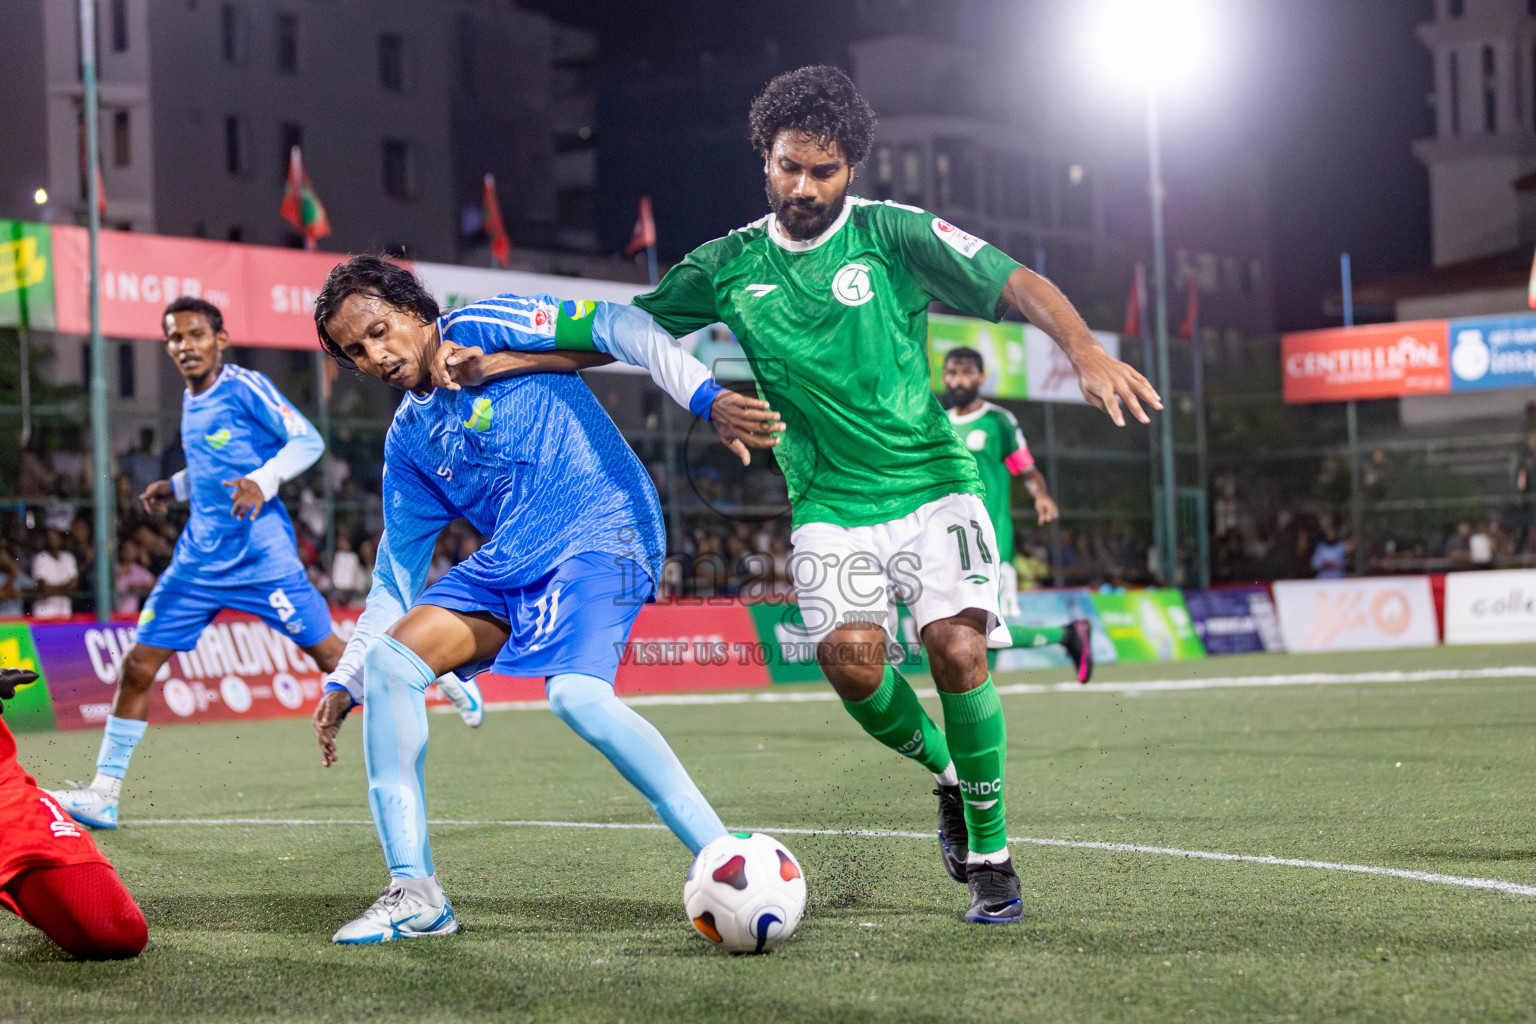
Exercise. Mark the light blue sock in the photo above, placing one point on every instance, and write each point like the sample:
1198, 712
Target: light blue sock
638, 751
117, 742
395, 684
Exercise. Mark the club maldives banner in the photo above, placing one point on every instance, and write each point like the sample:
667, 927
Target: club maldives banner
1374, 613
1490, 607
26, 275
1237, 620
1379, 361
1021, 360
1148, 625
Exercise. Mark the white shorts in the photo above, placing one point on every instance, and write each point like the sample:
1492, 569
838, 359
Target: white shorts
939, 561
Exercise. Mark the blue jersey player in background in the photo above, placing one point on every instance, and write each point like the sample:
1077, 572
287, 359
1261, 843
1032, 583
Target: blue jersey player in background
575, 548
242, 440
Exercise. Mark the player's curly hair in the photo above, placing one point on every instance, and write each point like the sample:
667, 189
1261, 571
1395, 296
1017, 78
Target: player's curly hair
963, 354
379, 277
819, 102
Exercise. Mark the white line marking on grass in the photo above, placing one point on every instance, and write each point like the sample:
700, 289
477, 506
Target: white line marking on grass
1498, 885
1016, 689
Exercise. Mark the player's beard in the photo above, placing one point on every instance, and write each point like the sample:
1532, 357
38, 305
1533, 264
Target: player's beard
959, 398
799, 219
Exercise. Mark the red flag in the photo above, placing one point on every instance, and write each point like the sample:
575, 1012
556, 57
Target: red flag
1532, 290
301, 207
644, 235
1191, 325
501, 243
1136, 307
101, 193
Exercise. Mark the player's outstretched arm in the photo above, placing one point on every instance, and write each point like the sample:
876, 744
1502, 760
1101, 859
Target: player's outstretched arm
456, 366
159, 494
1105, 380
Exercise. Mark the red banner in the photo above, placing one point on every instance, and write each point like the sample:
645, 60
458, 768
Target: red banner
266, 294
1378, 361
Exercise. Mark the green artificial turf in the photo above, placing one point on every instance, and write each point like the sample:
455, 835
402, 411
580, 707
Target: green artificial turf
587, 924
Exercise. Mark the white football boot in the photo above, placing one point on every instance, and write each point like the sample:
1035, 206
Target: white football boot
88, 806
398, 914
465, 695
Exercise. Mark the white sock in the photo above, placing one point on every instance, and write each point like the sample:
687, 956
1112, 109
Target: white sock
947, 777
428, 890
107, 786
996, 857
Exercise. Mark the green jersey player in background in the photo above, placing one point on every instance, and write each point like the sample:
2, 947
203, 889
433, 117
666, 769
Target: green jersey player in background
992, 435
829, 297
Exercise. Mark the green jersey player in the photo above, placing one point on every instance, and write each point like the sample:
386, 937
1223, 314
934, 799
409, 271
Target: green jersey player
829, 297
992, 435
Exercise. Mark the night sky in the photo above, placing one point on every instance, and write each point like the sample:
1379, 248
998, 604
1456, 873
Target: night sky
1331, 92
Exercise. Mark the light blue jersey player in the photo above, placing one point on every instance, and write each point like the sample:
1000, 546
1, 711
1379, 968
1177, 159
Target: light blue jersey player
242, 441
575, 542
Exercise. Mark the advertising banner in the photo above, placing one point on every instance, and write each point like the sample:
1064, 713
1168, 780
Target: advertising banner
26, 275
280, 290
1021, 360
1490, 607
1050, 377
1054, 608
1148, 625
1356, 615
1240, 620
791, 659
139, 275
29, 710
1001, 347
1378, 361
1492, 353
241, 668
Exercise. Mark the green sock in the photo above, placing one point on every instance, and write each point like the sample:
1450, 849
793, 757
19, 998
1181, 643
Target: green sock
893, 716
974, 723
1036, 636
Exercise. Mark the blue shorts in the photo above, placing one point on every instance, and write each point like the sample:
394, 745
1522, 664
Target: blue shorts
176, 611
576, 618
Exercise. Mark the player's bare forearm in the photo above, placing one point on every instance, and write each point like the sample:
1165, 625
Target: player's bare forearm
459, 366
743, 422
1045, 506
1105, 381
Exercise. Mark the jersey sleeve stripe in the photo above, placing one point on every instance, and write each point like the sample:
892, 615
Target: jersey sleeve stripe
540, 332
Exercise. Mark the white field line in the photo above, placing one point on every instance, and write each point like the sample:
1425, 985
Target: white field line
1016, 689
1512, 888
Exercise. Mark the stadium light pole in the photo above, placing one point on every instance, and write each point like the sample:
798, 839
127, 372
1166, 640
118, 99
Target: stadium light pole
101, 455
1154, 47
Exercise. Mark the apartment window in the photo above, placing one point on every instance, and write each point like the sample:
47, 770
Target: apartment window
1077, 198
237, 146
954, 173
392, 62
1455, 8
1453, 72
122, 139
119, 25
1530, 8
399, 169
125, 370
236, 233
235, 33
912, 174
289, 135
1490, 93
286, 43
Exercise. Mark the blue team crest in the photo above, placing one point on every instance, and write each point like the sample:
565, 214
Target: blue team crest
576, 309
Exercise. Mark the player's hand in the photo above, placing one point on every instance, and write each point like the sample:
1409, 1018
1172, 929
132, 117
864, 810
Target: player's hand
329, 714
247, 497
744, 423
11, 679
1046, 510
457, 366
1106, 382
156, 496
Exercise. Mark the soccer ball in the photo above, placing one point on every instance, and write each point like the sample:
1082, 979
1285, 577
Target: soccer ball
745, 892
